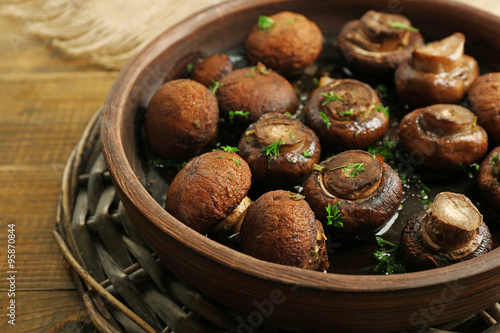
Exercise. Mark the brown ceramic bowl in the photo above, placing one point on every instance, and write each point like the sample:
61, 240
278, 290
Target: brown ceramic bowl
291, 297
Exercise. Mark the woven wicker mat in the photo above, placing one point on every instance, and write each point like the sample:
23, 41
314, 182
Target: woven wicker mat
124, 286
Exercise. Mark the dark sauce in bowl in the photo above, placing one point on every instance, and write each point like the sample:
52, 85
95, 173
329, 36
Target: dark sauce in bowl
420, 185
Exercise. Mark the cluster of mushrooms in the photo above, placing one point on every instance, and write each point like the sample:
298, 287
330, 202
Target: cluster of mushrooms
352, 194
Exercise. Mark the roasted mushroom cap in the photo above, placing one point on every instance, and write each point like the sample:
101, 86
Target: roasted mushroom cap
439, 72
378, 42
484, 98
181, 119
280, 227
286, 42
488, 178
347, 114
279, 149
207, 191
451, 230
365, 190
212, 69
248, 93
442, 136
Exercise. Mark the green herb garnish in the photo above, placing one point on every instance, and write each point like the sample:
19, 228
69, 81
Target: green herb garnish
232, 114
381, 88
346, 113
331, 97
306, 154
272, 151
325, 119
189, 68
213, 88
382, 108
355, 169
387, 258
401, 26
238, 162
265, 23
227, 149
384, 148
335, 216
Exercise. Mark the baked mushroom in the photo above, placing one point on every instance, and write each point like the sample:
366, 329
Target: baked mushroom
347, 114
443, 136
378, 42
449, 231
212, 69
280, 227
279, 149
286, 42
250, 92
355, 191
488, 178
182, 119
484, 99
438, 72
209, 193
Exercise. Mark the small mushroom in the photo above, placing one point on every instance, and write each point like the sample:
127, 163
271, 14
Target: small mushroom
182, 119
279, 149
439, 72
347, 114
378, 42
484, 99
280, 227
362, 190
286, 42
250, 92
488, 178
443, 136
212, 69
209, 193
449, 231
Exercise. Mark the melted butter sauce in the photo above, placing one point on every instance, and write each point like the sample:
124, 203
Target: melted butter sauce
420, 186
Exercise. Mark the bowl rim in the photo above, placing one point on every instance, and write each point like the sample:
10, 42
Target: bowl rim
124, 177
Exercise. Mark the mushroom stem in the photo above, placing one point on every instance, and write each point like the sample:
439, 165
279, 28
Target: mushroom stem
441, 56
232, 223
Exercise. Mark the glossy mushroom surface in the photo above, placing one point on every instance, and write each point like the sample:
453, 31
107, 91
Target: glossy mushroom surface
280, 227
208, 189
378, 42
451, 230
484, 99
347, 114
254, 91
488, 178
365, 190
279, 149
442, 136
212, 69
286, 42
182, 119
438, 72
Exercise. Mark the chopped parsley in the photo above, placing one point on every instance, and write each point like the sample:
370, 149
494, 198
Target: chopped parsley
346, 113
228, 149
331, 97
189, 68
265, 23
382, 108
325, 119
355, 169
306, 154
273, 150
238, 162
232, 114
401, 26
388, 262
213, 88
335, 216
384, 148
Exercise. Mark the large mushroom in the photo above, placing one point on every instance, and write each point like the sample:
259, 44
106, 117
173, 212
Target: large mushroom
212, 69
378, 42
248, 93
439, 72
484, 99
286, 42
347, 114
449, 231
488, 178
355, 191
209, 193
279, 149
182, 119
280, 227
443, 136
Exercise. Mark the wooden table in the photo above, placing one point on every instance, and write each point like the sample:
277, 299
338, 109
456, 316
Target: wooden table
46, 100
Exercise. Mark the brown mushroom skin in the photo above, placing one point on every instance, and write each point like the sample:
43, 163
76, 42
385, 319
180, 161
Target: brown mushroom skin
256, 90
488, 178
371, 46
212, 69
300, 150
446, 147
280, 227
484, 99
441, 81
208, 189
360, 129
369, 207
181, 120
291, 44
420, 257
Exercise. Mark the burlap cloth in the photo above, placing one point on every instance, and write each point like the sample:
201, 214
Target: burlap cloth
110, 32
